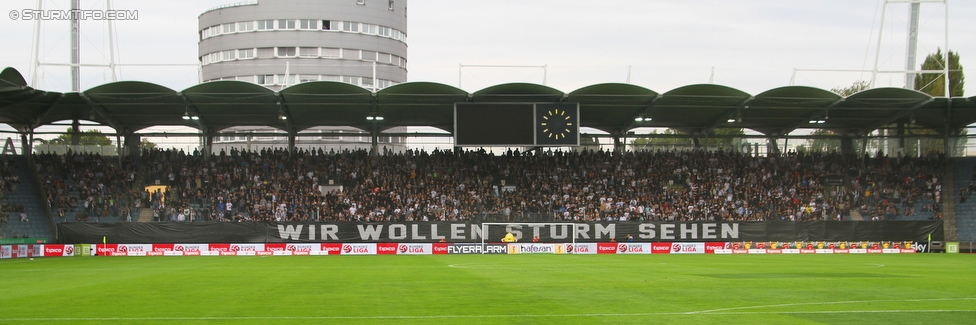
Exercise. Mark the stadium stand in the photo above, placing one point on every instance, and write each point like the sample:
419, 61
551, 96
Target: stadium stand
964, 170
87, 187
272, 185
21, 201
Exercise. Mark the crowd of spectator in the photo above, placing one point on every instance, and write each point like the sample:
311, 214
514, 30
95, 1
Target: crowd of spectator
275, 185
8, 184
88, 185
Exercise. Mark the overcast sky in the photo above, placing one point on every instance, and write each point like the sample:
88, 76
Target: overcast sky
753, 45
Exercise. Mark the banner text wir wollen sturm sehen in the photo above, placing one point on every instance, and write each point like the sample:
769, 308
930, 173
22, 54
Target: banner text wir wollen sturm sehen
346, 232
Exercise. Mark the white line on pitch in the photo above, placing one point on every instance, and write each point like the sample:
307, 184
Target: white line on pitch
49, 319
713, 311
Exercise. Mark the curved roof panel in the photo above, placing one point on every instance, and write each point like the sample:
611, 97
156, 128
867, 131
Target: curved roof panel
10, 77
694, 108
136, 104
781, 110
419, 103
518, 92
873, 108
611, 107
228, 103
329, 103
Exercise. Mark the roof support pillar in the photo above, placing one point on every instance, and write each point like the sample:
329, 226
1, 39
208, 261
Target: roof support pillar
291, 142
901, 137
847, 145
131, 146
208, 139
771, 148
374, 140
75, 132
618, 145
25, 143
118, 148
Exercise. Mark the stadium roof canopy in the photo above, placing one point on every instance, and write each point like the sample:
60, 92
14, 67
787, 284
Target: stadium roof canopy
616, 108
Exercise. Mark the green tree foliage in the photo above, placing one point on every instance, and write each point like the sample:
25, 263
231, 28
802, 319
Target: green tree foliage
856, 87
146, 144
934, 83
672, 139
724, 142
823, 144
88, 138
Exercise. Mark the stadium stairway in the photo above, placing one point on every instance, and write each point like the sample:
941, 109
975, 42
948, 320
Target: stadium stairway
26, 193
965, 213
145, 215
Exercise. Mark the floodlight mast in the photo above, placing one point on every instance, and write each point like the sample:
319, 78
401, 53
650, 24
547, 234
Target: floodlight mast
912, 37
910, 69
75, 64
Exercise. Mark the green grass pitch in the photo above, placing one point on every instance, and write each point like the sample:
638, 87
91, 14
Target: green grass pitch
492, 289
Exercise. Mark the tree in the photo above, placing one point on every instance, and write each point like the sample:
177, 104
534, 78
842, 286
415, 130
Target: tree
669, 142
674, 141
823, 144
725, 141
146, 144
856, 87
934, 83
87, 138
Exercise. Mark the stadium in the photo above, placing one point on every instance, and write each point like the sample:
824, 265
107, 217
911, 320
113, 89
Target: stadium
546, 206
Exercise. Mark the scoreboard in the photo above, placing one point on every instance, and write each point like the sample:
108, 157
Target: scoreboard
516, 124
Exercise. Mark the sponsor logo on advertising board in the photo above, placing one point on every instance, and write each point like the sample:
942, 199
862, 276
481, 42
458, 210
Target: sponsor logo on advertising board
687, 248
332, 249
196, 247
531, 248
581, 248
464, 249
606, 248
661, 248
246, 247
133, 248
163, 247
53, 250
414, 249
439, 248
385, 248
362, 249
712, 246
634, 248
275, 247
303, 247
471, 248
